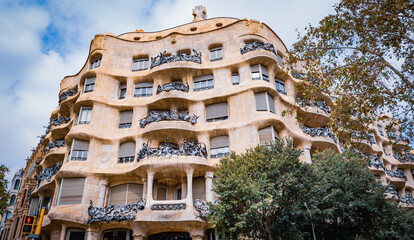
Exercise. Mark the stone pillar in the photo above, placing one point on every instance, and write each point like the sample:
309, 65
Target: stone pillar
197, 235
209, 185
102, 192
138, 233
63, 232
189, 198
149, 188
144, 189
91, 234
307, 152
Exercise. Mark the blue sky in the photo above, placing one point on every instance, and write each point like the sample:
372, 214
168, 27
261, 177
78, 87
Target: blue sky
43, 41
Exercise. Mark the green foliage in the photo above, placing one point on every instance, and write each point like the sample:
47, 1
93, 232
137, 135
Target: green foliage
4, 194
262, 195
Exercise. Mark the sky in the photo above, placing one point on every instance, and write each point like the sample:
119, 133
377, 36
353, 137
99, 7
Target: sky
43, 41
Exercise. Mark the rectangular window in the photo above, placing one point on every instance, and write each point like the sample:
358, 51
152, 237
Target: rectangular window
260, 72
85, 115
219, 146
89, 85
199, 188
125, 119
280, 60
235, 78
71, 191
95, 63
264, 102
217, 112
203, 83
33, 207
267, 135
126, 152
122, 91
124, 194
140, 64
216, 54
280, 86
79, 151
143, 89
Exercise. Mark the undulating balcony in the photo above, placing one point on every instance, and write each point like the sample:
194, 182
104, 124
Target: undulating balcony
55, 144
256, 45
162, 58
154, 116
310, 103
47, 174
67, 94
59, 120
177, 86
319, 131
398, 173
403, 157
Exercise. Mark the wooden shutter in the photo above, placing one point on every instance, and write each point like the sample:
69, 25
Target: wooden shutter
217, 110
261, 104
219, 142
264, 70
80, 145
134, 192
143, 84
266, 135
125, 117
71, 191
199, 188
118, 195
203, 78
90, 81
271, 101
255, 68
127, 149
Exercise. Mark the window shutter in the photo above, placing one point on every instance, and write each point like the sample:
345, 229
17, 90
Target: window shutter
219, 53
261, 104
217, 110
143, 84
127, 149
219, 142
135, 64
118, 195
80, 145
255, 68
123, 86
203, 78
199, 188
71, 191
280, 60
125, 117
90, 81
271, 101
134, 193
264, 70
266, 135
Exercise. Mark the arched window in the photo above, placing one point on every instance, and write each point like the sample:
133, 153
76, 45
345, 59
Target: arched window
12, 200
16, 184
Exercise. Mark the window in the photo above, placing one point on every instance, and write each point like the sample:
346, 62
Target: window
210, 235
217, 112
85, 115
122, 91
33, 207
117, 234
16, 184
126, 152
199, 188
143, 89
125, 119
89, 85
140, 64
8, 216
264, 102
216, 54
260, 72
125, 194
75, 234
79, 150
280, 60
203, 83
12, 200
280, 86
71, 191
219, 146
162, 193
95, 63
380, 130
178, 193
235, 78
267, 135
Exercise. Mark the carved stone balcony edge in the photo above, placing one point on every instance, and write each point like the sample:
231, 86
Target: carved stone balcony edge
113, 213
55, 144
188, 148
48, 173
403, 157
256, 45
168, 207
407, 198
173, 115
67, 94
398, 173
59, 120
320, 131
161, 58
179, 86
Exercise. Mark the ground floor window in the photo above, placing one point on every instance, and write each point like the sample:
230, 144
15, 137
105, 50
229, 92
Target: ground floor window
170, 236
75, 234
117, 234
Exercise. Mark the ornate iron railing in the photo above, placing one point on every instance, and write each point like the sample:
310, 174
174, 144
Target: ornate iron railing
256, 45
67, 94
59, 120
320, 131
188, 148
48, 173
303, 76
173, 115
55, 144
407, 198
202, 208
113, 213
168, 207
398, 173
374, 161
310, 103
179, 86
403, 157
161, 58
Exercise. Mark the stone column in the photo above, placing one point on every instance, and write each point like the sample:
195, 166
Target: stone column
149, 188
197, 235
138, 233
189, 198
307, 152
209, 185
63, 232
102, 191
144, 189
91, 234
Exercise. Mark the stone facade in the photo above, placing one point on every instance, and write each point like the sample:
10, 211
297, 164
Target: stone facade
126, 160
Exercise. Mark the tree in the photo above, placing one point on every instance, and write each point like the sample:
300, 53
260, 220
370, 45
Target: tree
266, 193
363, 56
4, 194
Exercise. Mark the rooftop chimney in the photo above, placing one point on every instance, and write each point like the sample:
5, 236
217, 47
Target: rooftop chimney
199, 13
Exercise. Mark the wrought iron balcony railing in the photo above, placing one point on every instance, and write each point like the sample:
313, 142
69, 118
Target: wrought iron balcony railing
179, 86
256, 45
188, 148
55, 144
310, 103
319, 131
161, 58
48, 173
113, 213
403, 157
407, 198
173, 115
372, 159
67, 94
202, 208
303, 76
168, 207
59, 120
398, 173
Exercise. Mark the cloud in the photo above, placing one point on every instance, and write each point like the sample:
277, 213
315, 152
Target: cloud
42, 43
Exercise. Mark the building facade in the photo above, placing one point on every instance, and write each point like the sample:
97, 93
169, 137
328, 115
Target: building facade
133, 145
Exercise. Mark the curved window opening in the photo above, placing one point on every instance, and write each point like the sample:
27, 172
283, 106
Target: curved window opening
204, 82
12, 200
216, 54
125, 194
140, 64
75, 234
259, 71
126, 152
95, 63
217, 112
16, 184
143, 89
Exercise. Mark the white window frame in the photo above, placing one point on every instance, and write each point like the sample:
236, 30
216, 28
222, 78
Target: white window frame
95, 63
71, 152
88, 112
89, 87
280, 60
261, 75
120, 91
142, 64
232, 79
280, 82
176, 193
204, 84
268, 98
214, 54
